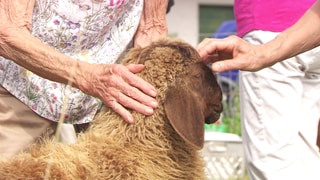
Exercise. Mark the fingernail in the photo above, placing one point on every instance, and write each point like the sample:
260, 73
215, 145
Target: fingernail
216, 67
130, 119
149, 111
154, 104
153, 93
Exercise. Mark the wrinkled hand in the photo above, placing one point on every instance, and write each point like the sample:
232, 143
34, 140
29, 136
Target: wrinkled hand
119, 88
232, 53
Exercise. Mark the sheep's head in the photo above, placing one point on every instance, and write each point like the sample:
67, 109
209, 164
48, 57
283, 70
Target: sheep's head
187, 88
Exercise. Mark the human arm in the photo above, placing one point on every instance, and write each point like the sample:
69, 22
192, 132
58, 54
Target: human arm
152, 24
238, 54
116, 85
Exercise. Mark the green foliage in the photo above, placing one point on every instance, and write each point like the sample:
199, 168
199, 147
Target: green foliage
231, 117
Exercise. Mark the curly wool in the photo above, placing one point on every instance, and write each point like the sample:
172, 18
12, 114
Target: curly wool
112, 149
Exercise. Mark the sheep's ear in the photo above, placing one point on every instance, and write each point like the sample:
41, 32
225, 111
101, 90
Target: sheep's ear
185, 114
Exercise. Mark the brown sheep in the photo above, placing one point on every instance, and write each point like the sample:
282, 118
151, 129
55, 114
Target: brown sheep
162, 146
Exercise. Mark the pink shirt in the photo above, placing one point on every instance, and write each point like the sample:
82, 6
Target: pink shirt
268, 15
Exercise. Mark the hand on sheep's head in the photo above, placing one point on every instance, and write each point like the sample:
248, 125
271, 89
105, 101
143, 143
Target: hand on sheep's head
119, 88
187, 89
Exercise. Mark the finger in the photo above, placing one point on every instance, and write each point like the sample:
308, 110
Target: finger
135, 68
120, 102
123, 112
211, 58
133, 86
213, 46
202, 47
138, 96
203, 43
225, 65
138, 82
221, 46
130, 103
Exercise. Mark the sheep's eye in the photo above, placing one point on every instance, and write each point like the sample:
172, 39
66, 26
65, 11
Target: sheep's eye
198, 75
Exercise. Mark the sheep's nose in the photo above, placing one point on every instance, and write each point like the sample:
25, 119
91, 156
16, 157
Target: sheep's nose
212, 118
215, 111
218, 108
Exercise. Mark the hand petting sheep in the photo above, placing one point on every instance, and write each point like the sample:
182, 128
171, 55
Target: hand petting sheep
164, 145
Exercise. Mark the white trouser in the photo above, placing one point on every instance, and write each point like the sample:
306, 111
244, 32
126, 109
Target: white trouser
280, 111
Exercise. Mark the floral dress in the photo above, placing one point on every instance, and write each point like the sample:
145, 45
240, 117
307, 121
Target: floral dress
96, 31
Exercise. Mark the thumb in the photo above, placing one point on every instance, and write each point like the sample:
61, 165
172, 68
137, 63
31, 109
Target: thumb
225, 65
135, 68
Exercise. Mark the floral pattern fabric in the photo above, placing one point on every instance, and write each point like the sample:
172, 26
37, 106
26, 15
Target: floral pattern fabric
96, 31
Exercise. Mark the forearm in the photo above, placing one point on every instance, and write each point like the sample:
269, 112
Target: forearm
18, 45
154, 14
301, 37
152, 24
27, 51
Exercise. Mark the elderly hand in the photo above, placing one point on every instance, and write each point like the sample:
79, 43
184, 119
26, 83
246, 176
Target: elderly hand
118, 87
233, 53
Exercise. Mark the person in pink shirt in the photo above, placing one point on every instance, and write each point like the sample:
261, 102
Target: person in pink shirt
279, 87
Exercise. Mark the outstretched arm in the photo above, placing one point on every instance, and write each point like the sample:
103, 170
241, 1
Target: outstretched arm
115, 85
238, 54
